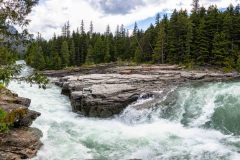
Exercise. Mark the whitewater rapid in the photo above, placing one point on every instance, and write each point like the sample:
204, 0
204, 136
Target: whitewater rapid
188, 130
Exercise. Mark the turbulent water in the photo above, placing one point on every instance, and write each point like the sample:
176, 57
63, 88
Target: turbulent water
202, 122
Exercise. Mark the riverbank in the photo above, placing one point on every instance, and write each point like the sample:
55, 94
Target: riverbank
106, 90
20, 141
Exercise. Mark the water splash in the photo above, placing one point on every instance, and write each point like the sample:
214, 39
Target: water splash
174, 129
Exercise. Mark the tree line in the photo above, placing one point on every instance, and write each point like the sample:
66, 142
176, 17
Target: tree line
205, 37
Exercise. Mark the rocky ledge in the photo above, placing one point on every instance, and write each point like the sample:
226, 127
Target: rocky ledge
108, 93
20, 141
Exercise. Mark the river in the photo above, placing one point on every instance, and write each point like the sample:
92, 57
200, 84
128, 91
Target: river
202, 124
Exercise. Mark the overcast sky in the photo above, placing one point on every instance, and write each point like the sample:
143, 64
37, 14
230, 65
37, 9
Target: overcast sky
49, 16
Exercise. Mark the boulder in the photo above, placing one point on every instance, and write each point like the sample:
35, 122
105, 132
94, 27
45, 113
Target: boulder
18, 114
104, 100
20, 141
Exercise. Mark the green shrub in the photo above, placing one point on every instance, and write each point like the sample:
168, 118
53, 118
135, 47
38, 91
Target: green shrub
3, 124
1, 86
229, 64
190, 65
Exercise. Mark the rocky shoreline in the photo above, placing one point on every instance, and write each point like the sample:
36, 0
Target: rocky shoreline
107, 90
21, 141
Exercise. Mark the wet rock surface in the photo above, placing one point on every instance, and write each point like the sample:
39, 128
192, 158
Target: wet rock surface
106, 91
20, 141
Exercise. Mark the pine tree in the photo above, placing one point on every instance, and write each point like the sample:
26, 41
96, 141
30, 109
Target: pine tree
90, 56
135, 30
107, 55
138, 56
76, 40
195, 19
159, 50
133, 42
29, 55
38, 59
182, 35
108, 31
99, 51
173, 38
122, 31
195, 5
188, 57
157, 19
117, 33
219, 49
146, 43
65, 54
83, 48
228, 27
57, 62
68, 32
64, 30
82, 29
236, 26
178, 29
91, 30
72, 54
213, 25
202, 44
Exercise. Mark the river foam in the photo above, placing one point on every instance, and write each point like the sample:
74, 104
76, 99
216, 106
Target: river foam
187, 133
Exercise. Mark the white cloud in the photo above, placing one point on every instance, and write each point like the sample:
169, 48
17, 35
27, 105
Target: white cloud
50, 15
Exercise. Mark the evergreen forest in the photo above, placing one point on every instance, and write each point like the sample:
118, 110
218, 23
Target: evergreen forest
204, 37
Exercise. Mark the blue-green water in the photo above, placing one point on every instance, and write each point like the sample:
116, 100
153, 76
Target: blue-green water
201, 123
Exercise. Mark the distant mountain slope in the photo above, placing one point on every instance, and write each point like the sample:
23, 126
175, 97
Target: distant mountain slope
15, 41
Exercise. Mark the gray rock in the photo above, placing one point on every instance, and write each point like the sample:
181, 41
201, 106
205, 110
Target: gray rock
28, 119
21, 141
104, 100
23, 101
111, 90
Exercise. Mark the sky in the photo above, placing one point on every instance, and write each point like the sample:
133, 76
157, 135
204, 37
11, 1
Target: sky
50, 15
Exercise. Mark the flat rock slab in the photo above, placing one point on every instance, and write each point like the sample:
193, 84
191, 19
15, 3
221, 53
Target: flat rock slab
108, 93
